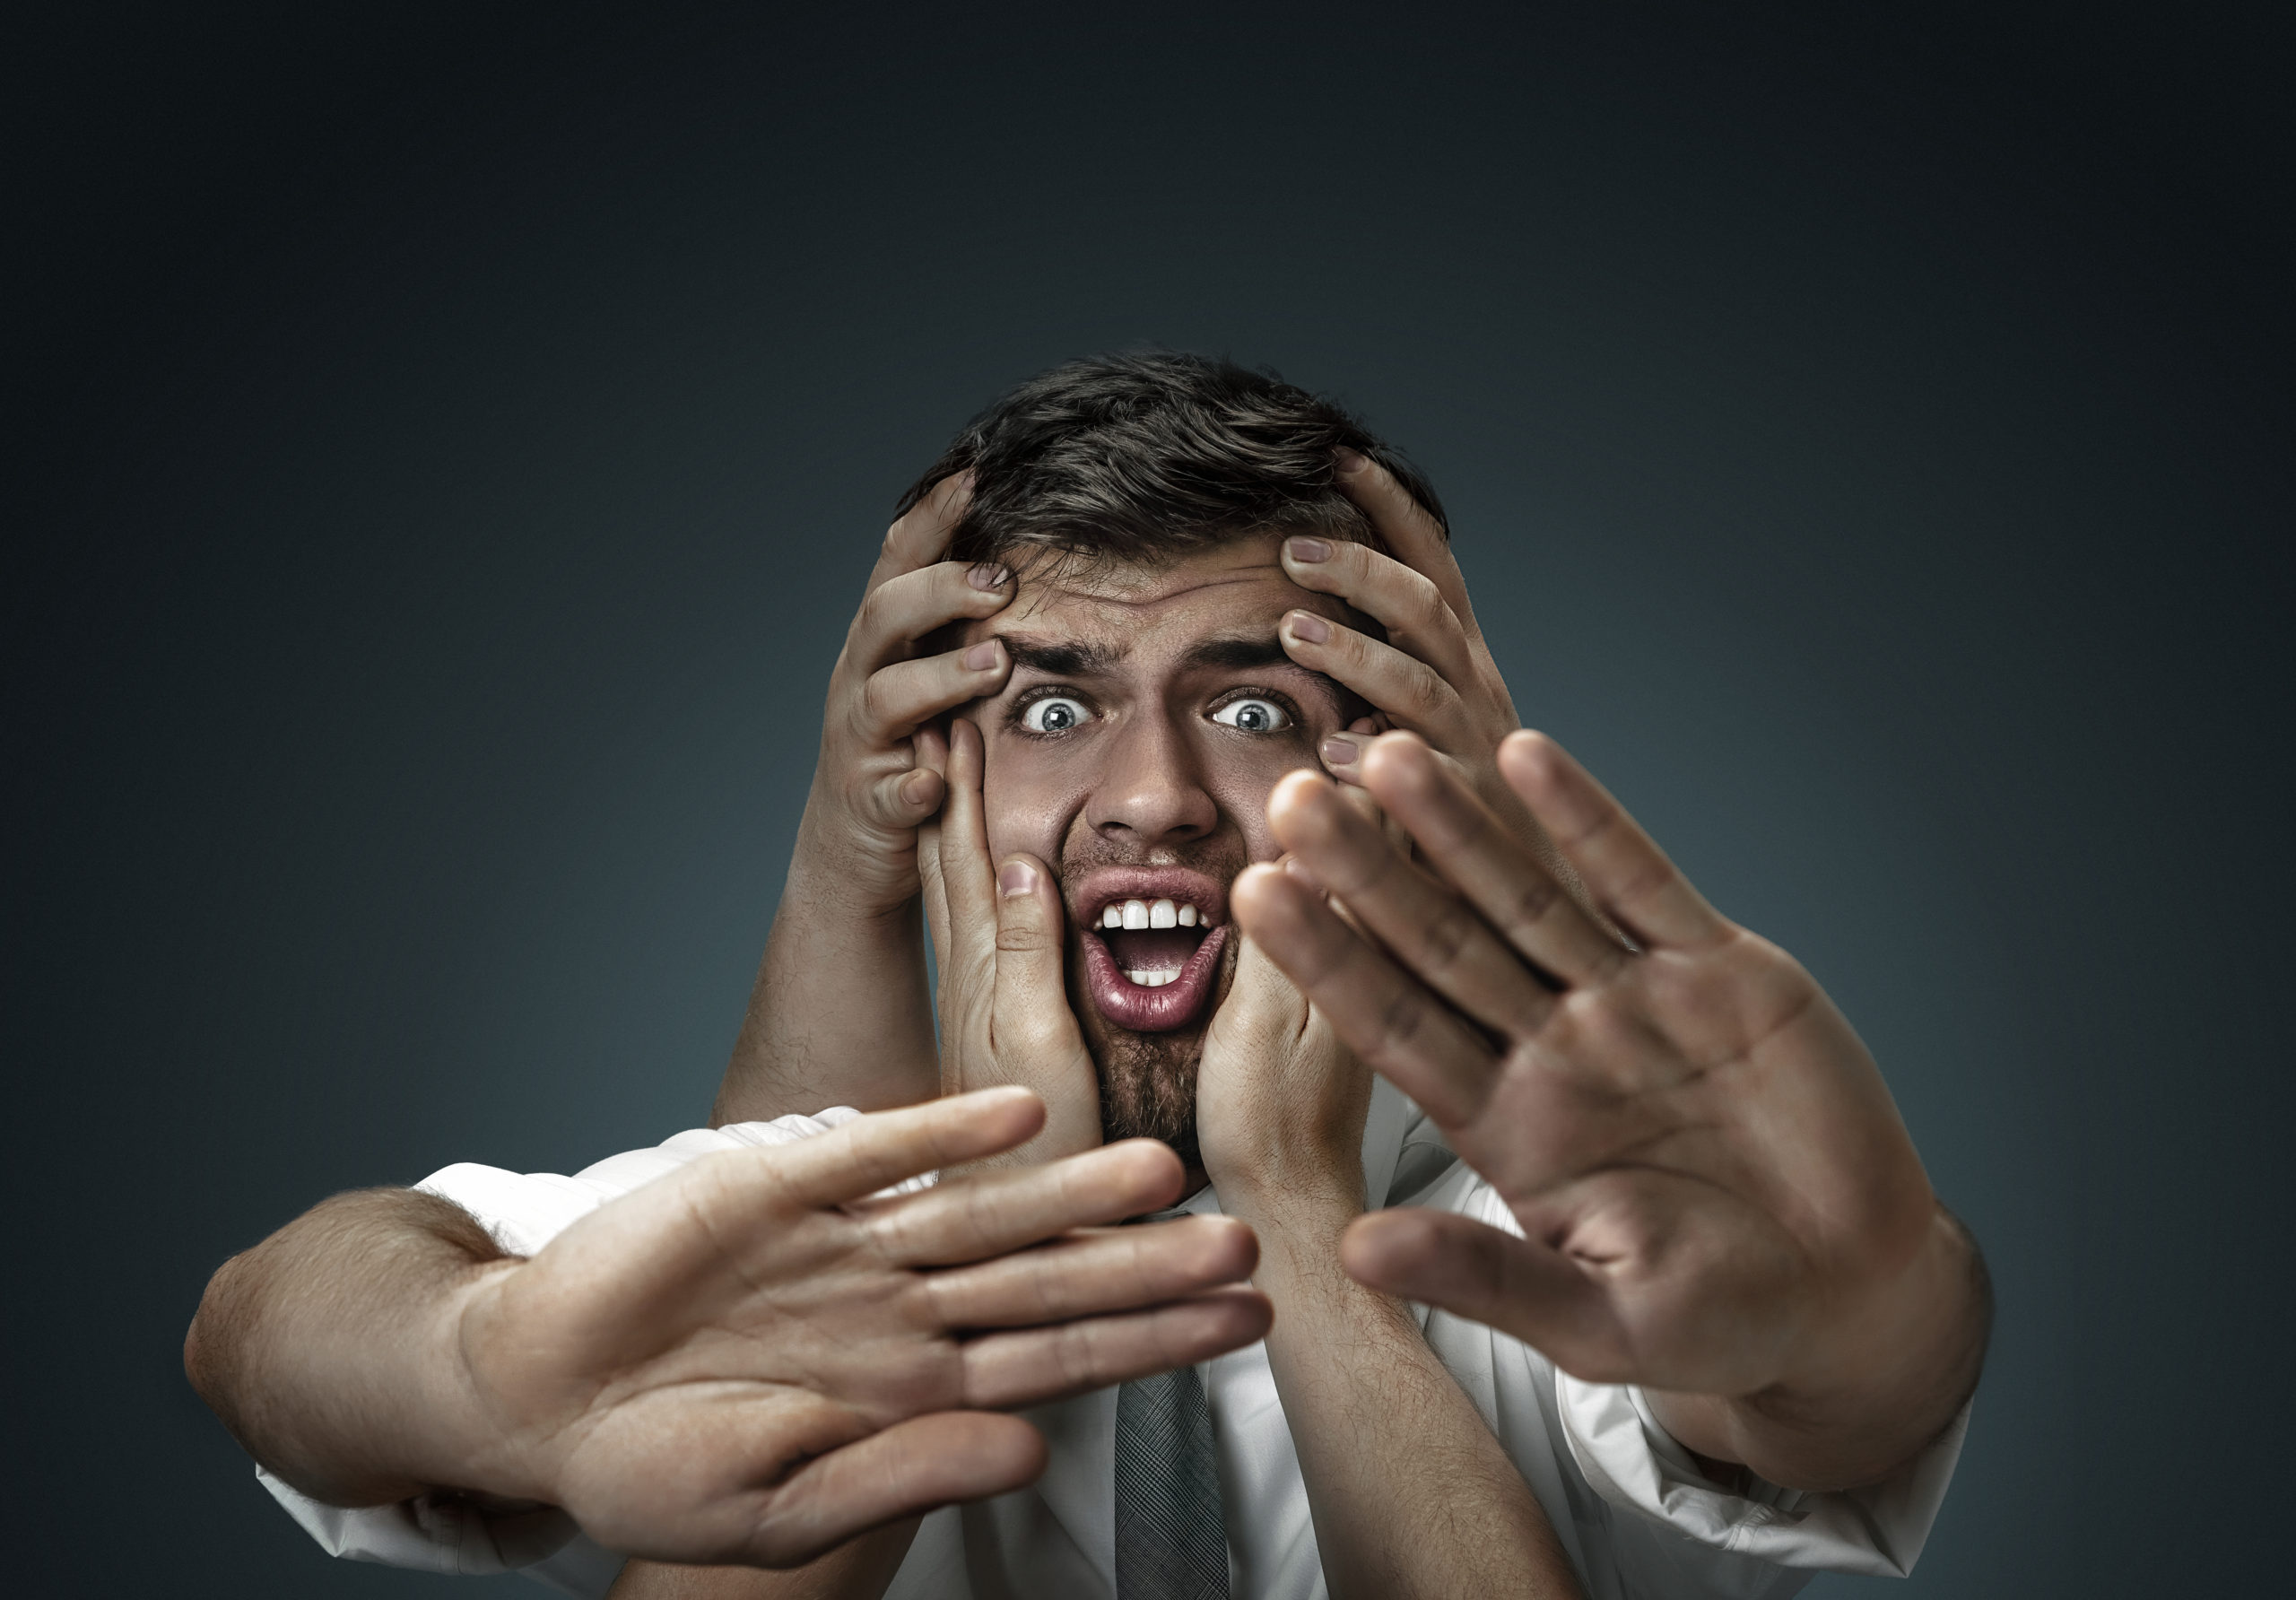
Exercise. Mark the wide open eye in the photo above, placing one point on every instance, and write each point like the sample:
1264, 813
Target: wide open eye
1053, 714
1253, 716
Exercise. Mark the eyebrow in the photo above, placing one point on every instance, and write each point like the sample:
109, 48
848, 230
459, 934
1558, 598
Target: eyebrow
1241, 652
1062, 658
1237, 650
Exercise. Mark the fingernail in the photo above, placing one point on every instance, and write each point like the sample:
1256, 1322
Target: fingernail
1015, 878
1307, 627
988, 576
1295, 867
981, 657
1338, 751
1347, 463
917, 786
1307, 552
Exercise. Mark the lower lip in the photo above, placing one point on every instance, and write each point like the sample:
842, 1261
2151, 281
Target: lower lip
1159, 1010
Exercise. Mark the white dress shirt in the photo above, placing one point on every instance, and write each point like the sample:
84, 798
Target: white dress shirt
1628, 1502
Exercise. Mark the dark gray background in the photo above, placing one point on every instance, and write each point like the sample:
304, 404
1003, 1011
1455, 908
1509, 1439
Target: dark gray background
446, 442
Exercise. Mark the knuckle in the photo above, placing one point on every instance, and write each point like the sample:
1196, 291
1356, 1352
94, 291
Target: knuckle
1424, 609
1402, 1023
1021, 938
1444, 943
874, 710
1425, 695
872, 620
1534, 902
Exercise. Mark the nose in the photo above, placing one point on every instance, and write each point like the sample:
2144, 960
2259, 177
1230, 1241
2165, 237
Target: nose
1151, 792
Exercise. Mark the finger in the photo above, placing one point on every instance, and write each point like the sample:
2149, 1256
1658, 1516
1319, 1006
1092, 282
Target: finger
1626, 873
934, 884
903, 799
1385, 1016
1428, 927
1090, 1274
901, 611
931, 743
986, 1213
1033, 1365
1406, 527
885, 1148
1341, 751
1401, 599
1031, 1004
1408, 690
921, 535
1496, 870
913, 1466
1489, 1275
967, 880
964, 830
897, 699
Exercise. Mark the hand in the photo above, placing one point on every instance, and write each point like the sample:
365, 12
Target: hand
999, 936
877, 778
1717, 1196
840, 1015
1279, 1102
1434, 676
748, 1362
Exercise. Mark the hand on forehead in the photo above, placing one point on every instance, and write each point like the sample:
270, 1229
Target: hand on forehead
1144, 621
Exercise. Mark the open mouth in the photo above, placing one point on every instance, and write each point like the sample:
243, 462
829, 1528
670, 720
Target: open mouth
1151, 939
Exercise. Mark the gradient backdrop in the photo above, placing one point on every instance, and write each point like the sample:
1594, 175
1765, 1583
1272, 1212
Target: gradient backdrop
446, 443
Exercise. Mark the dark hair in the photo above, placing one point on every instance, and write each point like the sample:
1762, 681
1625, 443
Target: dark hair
1146, 456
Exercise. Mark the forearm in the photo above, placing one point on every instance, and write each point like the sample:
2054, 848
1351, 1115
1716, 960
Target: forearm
328, 1350
1876, 1392
840, 1013
1390, 1447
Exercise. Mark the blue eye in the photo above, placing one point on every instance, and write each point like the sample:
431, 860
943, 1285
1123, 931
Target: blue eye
1054, 714
1253, 716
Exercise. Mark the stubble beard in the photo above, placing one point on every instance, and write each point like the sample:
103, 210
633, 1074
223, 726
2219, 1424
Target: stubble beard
1147, 1081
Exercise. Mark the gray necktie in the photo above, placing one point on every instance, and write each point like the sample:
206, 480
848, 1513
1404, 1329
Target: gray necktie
1171, 1541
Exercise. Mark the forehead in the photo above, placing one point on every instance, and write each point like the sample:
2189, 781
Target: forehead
1141, 614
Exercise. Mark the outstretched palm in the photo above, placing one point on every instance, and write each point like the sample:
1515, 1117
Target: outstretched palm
1715, 1192
749, 1361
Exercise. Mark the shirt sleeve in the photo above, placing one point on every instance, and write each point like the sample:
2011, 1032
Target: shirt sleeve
522, 1212
1646, 1519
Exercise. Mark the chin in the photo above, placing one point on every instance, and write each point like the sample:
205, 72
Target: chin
1148, 1077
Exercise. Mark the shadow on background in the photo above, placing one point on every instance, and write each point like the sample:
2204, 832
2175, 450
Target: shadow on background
448, 444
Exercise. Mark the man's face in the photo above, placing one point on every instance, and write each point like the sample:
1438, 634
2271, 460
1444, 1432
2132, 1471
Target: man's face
1149, 714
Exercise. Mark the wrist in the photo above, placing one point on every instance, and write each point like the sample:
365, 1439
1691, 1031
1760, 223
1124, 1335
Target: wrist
841, 868
1291, 1205
466, 1438
1876, 1385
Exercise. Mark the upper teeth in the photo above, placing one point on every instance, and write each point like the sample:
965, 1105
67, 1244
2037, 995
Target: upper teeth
1163, 913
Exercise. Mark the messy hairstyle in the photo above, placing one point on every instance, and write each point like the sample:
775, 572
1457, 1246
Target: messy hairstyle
1145, 457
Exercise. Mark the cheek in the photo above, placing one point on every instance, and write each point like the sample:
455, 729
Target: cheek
1028, 809
1240, 781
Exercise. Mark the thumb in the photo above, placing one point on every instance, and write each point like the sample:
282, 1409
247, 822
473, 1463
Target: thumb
1489, 1275
1261, 998
1031, 1005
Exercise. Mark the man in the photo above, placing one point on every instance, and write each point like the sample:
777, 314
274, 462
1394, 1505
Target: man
1218, 612
1208, 599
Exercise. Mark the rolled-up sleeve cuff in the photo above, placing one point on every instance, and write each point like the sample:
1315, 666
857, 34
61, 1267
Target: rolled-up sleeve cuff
453, 1534
1637, 1466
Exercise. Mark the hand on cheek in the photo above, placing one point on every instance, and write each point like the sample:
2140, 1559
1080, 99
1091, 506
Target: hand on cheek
1281, 1101
999, 934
